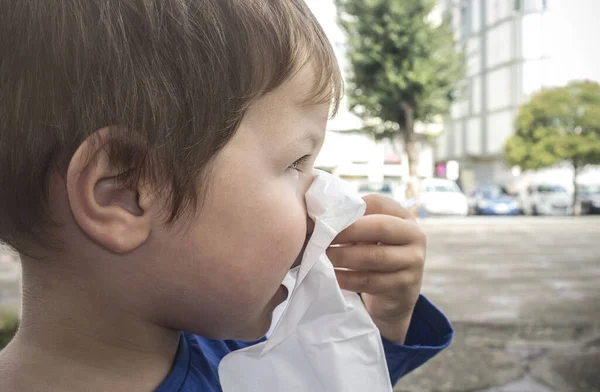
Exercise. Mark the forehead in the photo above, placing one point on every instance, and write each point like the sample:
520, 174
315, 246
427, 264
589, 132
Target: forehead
285, 112
298, 90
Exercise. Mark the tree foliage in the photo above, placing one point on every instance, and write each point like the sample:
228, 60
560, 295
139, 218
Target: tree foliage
558, 124
404, 65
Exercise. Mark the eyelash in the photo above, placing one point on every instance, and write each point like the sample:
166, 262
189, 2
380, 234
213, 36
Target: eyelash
298, 163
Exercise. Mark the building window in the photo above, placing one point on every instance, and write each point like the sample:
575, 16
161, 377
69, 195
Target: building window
498, 10
465, 19
475, 15
531, 5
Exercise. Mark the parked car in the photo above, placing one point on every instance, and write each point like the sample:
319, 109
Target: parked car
546, 199
375, 187
493, 200
589, 196
443, 197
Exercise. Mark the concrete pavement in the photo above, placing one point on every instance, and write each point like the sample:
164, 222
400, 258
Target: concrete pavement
524, 297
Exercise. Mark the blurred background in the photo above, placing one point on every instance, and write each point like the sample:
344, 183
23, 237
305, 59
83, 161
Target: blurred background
483, 116
503, 153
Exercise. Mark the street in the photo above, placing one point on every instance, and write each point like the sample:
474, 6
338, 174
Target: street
522, 293
524, 297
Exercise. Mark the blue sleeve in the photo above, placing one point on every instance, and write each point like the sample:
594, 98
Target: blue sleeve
429, 333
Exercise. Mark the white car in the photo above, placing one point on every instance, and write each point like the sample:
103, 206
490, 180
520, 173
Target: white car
368, 188
443, 197
546, 199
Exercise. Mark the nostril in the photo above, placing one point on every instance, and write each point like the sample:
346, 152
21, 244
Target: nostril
301, 254
310, 226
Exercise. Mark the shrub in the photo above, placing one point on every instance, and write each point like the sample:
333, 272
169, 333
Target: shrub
8, 327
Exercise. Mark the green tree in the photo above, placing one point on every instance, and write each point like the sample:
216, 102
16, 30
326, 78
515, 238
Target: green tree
404, 66
557, 125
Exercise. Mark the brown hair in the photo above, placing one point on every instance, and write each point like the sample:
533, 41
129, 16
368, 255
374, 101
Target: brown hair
172, 78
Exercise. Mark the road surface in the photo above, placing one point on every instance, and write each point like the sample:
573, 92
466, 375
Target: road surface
522, 293
524, 296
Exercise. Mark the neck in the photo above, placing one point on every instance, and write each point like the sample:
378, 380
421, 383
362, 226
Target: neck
74, 332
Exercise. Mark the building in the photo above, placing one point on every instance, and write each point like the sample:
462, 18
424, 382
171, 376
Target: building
513, 48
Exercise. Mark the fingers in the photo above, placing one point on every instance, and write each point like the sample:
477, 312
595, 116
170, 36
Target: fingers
381, 205
382, 253
376, 258
377, 283
385, 229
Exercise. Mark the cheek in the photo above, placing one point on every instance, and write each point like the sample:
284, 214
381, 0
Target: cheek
274, 232
232, 258
284, 237
269, 222
250, 244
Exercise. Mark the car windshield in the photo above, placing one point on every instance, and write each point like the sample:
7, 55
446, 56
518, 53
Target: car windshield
590, 189
381, 188
551, 189
494, 192
441, 187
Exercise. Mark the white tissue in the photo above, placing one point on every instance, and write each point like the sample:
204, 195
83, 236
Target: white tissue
323, 339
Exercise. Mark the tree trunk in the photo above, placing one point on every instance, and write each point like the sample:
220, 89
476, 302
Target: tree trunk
410, 145
575, 191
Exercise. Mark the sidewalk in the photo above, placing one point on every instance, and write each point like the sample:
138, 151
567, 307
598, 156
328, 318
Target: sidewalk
524, 298
527, 358
523, 295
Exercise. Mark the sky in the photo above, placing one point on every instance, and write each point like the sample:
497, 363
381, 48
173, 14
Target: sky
575, 38
325, 12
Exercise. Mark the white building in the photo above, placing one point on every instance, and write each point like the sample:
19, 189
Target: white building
514, 48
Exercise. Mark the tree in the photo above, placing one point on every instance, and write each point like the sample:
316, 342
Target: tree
556, 125
404, 67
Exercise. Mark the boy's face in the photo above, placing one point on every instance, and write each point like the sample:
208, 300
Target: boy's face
220, 275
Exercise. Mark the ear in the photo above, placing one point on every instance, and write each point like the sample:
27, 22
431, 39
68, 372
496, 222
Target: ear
111, 214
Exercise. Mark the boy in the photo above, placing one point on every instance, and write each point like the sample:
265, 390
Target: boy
153, 163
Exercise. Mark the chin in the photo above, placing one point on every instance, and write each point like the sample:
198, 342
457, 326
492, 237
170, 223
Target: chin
256, 334
257, 330
250, 338
249, 334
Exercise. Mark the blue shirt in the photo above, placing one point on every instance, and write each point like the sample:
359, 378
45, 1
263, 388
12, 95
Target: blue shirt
196, 364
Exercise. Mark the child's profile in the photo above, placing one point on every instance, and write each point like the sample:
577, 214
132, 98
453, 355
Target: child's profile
154, 157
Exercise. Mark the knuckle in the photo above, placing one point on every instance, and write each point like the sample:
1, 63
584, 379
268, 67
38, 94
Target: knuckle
386, 227
409, 279
402, 208
419, 258
417, 279
375, 200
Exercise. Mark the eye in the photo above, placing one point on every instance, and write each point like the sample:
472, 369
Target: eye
297, 165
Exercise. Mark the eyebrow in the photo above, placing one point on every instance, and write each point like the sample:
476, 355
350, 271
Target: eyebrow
311, 137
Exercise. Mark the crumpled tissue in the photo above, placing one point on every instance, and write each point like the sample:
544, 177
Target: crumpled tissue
322, 338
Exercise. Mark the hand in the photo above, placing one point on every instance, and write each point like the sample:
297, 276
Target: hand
382, 256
